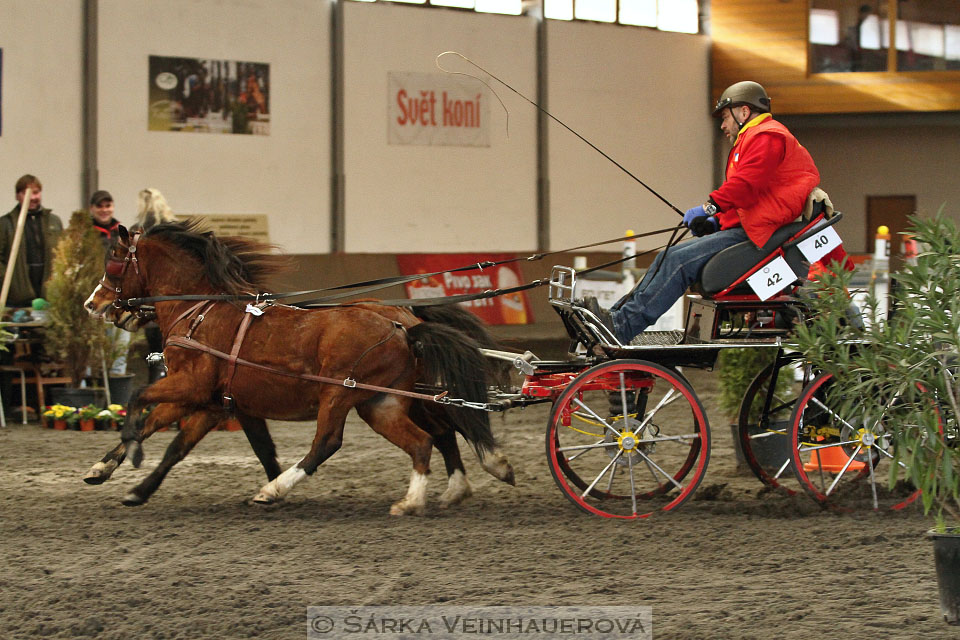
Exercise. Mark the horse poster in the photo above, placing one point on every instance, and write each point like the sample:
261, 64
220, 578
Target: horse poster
210, 96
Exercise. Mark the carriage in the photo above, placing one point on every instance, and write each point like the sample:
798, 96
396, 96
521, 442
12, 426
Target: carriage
627, 436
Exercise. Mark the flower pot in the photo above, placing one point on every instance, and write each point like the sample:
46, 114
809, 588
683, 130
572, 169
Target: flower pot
88, 424
946, 557
121, 388
59, 424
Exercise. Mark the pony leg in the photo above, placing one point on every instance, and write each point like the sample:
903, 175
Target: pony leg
163, 414
259, 438
192, 431
388, 417
327, 441
458, 488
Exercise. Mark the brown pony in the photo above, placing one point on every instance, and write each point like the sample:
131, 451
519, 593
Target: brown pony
374, 353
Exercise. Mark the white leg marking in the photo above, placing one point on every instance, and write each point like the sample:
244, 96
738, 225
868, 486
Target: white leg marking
458, 490
280, 486
416, 499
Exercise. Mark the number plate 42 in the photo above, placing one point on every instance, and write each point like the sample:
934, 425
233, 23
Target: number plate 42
772, 278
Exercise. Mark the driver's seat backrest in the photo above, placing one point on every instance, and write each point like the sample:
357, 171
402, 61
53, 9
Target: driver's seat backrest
727, 271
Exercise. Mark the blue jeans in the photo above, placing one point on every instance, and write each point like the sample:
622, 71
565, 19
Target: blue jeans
665, 284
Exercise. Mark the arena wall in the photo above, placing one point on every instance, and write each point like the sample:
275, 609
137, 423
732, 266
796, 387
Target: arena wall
41, 99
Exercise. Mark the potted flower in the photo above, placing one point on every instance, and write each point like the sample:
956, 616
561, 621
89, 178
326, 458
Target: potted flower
905, 372
87, 416
73, 335
58, 416
72, 418
112, 417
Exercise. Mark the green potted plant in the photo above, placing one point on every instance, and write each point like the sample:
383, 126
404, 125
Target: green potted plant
88, 417
58, 416
73, 336
905, 372
112, 417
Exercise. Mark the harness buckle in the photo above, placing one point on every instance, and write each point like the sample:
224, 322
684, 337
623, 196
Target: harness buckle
350, 382
227, 402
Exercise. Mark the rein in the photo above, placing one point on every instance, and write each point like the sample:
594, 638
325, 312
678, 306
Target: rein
369, 286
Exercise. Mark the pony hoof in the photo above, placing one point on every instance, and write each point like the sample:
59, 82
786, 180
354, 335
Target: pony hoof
509, 477
98, 474
265, 498
132, 500
402, 509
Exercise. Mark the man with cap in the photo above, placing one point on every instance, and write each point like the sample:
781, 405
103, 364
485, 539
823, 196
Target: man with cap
101, 208
41, 232
767, 180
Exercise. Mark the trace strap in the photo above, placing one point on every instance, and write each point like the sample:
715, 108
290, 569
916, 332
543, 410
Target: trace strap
190, 343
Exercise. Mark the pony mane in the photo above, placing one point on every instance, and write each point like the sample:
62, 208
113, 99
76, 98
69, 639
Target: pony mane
232, 264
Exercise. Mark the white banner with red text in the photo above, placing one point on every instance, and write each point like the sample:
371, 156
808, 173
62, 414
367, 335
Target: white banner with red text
437, 109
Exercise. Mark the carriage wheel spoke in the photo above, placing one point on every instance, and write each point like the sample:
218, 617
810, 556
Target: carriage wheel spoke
612, 463
884, 452
586, 447
844, 470
593, 414
814, 447
873, 479
768, 433
783, 467
669, 397
633, 488
657, 467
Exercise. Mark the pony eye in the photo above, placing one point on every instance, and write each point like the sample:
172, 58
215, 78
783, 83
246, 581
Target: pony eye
114, 268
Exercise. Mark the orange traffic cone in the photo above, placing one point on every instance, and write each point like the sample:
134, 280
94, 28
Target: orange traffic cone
831, 460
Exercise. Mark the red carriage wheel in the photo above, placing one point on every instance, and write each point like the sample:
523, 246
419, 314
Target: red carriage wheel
842, 457
623, 438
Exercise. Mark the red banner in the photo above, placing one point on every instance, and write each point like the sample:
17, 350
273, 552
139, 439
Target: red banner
512, 308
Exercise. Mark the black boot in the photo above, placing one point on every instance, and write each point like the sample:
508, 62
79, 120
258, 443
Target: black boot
592, 305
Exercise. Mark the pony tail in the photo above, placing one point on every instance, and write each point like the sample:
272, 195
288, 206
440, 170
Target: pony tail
452, 360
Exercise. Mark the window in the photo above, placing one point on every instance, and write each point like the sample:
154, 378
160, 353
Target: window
667, 15
853, 35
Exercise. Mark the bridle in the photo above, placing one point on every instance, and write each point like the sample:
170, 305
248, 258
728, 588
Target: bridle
116, 268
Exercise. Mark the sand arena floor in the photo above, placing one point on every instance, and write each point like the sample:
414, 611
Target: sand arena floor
200, 561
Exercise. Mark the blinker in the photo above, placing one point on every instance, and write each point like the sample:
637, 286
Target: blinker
114, 268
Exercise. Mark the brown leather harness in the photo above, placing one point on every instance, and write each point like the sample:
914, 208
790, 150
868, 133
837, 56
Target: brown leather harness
118, 269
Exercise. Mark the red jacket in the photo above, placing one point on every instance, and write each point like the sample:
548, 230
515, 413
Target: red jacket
772, 188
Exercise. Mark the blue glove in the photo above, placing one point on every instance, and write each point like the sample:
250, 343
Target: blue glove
704, 226
693, 214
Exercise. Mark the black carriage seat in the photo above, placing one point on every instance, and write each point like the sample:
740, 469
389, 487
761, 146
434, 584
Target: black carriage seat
733, 264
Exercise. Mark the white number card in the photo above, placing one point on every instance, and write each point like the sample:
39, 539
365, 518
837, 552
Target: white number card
772, 278
815, 247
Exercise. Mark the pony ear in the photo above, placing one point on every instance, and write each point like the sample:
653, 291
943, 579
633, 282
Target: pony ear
124, 234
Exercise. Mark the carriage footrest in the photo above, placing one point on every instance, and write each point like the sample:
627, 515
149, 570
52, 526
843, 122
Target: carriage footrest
657, 339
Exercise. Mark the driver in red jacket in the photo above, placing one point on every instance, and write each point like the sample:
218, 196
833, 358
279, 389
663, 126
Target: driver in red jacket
768, 178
